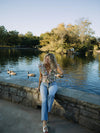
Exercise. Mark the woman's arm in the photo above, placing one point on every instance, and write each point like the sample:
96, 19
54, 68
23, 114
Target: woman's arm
40, 79
60, 71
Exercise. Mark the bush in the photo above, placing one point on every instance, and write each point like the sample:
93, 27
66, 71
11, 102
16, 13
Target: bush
83, 49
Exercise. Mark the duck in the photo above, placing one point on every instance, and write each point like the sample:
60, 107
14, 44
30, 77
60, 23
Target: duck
8, 71
31, 74
12, 73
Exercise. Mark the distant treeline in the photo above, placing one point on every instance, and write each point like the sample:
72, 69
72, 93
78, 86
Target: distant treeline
14, 39
60, 39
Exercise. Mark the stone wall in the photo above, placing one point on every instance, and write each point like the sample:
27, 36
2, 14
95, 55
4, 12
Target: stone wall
82, 112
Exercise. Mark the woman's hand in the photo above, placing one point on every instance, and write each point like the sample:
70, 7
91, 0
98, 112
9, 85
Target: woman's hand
59, 75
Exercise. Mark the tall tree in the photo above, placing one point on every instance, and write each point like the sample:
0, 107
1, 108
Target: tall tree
3, 35
12, 37
84, 29
60, 31
29, 34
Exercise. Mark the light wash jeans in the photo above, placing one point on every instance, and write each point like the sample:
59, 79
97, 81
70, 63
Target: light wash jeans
48, 91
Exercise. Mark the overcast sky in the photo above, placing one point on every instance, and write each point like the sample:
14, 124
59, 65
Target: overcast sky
40, 16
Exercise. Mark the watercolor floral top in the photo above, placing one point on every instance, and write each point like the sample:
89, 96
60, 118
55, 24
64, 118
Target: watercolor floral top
47, 77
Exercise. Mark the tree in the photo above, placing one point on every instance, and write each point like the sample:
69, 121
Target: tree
60, 31
3, 35
29, 34
45, 38
12, 37
72, 33
84, 29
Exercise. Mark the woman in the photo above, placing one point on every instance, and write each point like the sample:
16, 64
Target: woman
47, 85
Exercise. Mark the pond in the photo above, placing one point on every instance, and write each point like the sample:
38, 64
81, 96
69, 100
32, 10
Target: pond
80, 73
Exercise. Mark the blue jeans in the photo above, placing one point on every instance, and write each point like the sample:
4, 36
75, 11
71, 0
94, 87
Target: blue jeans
48, 91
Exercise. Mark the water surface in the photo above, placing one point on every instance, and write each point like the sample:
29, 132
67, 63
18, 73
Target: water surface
80, 73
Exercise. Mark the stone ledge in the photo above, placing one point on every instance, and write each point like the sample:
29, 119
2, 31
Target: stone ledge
66, 104
78, 95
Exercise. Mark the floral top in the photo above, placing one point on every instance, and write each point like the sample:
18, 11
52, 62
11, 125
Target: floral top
47, 77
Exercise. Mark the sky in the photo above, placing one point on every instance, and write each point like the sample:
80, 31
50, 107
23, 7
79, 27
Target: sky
40, 16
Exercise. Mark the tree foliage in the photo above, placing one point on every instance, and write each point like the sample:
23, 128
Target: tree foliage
13, 38
63, 38
3, 35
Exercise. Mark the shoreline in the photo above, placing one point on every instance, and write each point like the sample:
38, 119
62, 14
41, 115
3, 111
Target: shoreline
14, 48
46, 51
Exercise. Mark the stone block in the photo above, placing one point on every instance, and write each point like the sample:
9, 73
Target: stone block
29, 96
90, 114
89, 105
35, 96
0, 86
18, 93
26, 102
93, 110
72, 113
6, 88
72, 104
22, 93
16, 99
5, 95
90, 123
13, 91
1, 91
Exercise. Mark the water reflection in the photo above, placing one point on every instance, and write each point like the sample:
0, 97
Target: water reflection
13, 56
82, 73
70, 60
97, 57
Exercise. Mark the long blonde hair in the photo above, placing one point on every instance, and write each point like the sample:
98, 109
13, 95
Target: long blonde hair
53, 62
